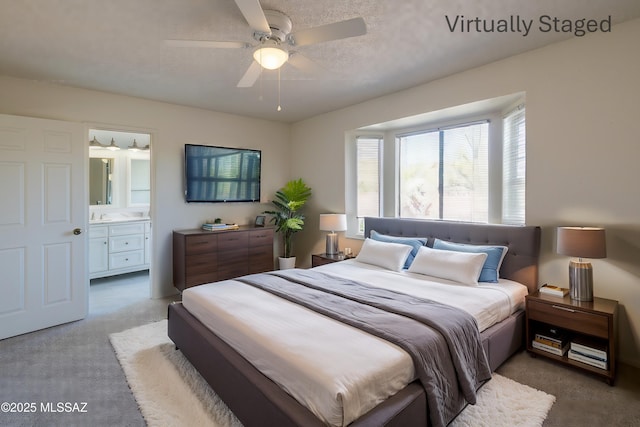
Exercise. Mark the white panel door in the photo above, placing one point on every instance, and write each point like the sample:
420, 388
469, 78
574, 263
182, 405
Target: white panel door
43, 205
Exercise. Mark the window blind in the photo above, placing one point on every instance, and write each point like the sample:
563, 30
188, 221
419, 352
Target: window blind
368, 176
514, 167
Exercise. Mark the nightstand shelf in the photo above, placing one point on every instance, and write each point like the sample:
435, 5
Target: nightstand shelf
595, 320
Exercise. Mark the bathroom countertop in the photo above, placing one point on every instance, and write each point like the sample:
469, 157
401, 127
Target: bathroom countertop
119, 219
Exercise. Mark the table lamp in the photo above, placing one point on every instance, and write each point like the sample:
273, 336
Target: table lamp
581, 242
332, 223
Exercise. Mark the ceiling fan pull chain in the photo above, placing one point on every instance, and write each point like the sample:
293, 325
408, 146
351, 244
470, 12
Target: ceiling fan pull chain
279, 107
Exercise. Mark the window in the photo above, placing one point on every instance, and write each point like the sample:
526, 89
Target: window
514, 167
444, 173
465, 163
367, 178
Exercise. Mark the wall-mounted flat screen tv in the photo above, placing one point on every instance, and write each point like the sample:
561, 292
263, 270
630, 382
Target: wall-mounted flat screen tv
221, 174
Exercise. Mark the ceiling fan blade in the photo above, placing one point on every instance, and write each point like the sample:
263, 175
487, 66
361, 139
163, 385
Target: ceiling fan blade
206, 43
306, 65
251, 75
337, 30
253, 13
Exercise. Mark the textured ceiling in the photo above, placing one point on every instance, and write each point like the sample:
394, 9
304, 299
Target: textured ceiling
117, 46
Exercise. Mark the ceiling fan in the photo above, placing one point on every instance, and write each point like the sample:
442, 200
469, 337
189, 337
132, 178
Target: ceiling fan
275, 41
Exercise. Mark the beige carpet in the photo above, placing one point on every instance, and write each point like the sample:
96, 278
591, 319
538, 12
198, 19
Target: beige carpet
170, 392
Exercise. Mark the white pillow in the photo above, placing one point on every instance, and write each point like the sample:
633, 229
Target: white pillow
462, 267
387, 255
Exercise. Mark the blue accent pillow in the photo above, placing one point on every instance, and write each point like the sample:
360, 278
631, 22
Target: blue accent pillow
495, 254
415, 243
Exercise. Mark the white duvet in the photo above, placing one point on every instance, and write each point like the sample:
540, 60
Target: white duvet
335, 370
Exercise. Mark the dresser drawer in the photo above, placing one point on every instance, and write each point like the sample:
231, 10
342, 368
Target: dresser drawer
203, 257
228, 258
232, 271
569, 318
261, 237
260, 266
197, 264
232, 240
200, 244
260, 259
201, 269
201, 278
126, 243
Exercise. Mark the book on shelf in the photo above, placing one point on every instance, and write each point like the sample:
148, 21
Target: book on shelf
574, 355
547, 341
589, 347
217, 227
549, 349
553, 290
552, 334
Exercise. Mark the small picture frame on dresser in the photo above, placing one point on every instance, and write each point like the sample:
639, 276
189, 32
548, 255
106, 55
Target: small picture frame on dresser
260, 220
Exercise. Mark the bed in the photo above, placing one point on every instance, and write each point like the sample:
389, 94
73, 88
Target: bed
257, 400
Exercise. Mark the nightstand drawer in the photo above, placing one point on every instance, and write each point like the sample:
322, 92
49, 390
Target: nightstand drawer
569, 318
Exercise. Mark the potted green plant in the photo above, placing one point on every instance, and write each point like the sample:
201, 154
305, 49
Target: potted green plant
287, 217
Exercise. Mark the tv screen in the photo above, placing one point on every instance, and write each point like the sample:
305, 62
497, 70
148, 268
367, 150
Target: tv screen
221, 174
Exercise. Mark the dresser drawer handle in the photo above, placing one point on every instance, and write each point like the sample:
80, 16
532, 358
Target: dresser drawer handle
563, 308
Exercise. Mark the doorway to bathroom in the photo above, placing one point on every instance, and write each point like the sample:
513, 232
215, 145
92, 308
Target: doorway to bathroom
120, 250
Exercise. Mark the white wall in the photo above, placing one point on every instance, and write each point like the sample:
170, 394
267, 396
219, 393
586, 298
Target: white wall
583, 149
170, 126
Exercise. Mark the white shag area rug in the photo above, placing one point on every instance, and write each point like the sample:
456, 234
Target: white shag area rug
170, 392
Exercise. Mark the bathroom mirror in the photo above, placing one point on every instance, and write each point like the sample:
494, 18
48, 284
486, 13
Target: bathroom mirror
100, 184
139, 182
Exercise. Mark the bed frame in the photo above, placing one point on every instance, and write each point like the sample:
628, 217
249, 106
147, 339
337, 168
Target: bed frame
258, 401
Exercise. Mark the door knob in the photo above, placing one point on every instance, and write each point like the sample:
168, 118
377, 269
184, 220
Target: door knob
77, 231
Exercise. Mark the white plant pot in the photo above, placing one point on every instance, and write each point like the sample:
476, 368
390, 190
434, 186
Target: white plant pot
287, 263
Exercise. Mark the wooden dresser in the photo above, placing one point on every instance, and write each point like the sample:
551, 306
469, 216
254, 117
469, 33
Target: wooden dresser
208, 256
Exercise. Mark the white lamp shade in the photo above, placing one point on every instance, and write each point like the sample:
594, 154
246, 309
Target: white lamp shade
271, 57
333, 222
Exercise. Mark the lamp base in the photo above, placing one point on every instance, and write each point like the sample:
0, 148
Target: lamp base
332, 244
580, 281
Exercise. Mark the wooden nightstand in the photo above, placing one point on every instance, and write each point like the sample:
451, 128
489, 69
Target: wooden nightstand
322, 259
594, 320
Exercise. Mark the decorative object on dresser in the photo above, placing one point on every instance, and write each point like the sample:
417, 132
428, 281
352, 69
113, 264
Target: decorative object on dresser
577, 333
332, 223
208, 226
201, 256
553, 290
287, 218
581, 242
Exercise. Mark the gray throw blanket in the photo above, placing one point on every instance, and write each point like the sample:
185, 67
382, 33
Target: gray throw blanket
443, 341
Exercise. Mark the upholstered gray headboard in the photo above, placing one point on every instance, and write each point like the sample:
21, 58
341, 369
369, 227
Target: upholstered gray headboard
520, 263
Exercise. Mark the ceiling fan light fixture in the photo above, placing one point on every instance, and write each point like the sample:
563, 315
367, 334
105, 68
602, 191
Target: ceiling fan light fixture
271, 56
